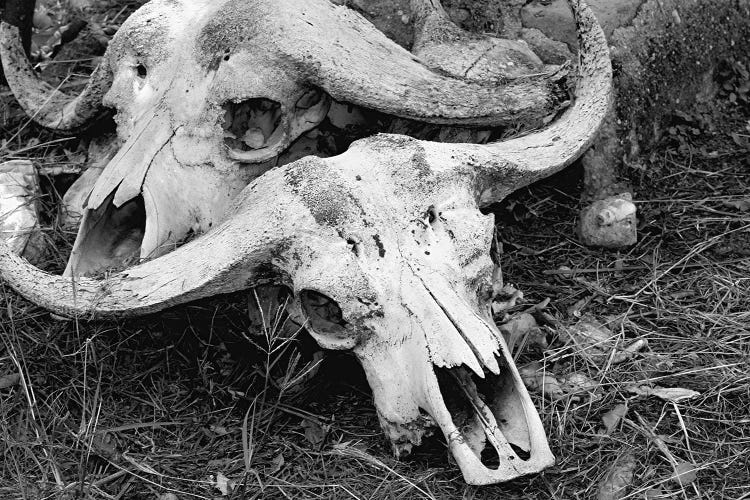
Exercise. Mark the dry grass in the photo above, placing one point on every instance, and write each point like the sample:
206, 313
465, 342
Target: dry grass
166, 406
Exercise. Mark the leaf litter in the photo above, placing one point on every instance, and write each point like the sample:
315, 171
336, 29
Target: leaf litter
674, 307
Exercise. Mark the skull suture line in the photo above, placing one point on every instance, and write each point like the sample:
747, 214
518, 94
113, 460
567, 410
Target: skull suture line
206, 91
386, 252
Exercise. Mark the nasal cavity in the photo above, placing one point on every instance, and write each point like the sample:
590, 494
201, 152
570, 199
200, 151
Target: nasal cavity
110, 238
480, 407
251, 124
323, 313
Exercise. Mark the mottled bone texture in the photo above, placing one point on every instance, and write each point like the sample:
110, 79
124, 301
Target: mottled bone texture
174, 67
386, 253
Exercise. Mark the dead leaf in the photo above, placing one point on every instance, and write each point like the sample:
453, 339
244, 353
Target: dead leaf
276, 464
143, 467
593, 340
522, 329
618, 478
576, 310
654, 493
219, 430
671, 394
9, 380
684, 473
629, 351
579, 385
511, 295
742, 140
538, 380
612, 418
168, 496
743, 205
315, 433
223, 484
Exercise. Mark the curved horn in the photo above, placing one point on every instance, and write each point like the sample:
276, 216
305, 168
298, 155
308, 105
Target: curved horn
503, 167
43, 103
356, 63
234, 256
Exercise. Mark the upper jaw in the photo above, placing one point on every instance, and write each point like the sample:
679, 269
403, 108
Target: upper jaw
174, 202
502, 436
109, 237
489, 422
154, 222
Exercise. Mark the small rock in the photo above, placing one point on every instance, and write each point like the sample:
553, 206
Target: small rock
609, 223
458, 15
549, 51
565, 271
555, 20
254, 138
42, 21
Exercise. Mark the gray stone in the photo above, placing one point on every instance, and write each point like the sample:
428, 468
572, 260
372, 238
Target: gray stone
549, 51
555, 20
609, 223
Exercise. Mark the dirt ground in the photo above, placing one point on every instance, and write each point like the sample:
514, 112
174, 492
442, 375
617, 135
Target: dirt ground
196, 402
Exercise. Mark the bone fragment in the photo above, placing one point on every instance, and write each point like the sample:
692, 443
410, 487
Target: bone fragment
100, 151
19, 224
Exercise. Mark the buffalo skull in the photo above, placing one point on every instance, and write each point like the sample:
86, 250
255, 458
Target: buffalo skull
208, 93
386, 253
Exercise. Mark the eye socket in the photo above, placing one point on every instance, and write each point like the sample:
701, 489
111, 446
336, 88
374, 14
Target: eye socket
323, 313
250, 124
141, 71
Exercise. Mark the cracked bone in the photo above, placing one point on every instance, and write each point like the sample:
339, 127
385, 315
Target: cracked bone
386, 253
189, 79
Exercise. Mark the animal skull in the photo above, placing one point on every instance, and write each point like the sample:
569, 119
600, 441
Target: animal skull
386, 253
207, 93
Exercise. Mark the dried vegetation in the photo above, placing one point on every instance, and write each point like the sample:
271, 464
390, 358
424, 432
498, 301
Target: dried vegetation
203, 402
